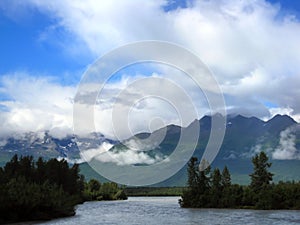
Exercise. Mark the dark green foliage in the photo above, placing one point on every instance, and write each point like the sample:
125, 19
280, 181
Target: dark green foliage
261, 177
214, 190
94, 185
286, 195
260, 181
226, 200
192, 173
226, 177
41, 190
95, 191
196, 195
154, 191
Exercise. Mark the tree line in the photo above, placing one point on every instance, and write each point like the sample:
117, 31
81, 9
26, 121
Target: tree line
44, 190
209, 188
95, 191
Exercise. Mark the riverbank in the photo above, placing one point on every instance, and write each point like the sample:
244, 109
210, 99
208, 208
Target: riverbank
154, 191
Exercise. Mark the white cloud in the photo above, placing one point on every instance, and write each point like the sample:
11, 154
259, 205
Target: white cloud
109, 24
124, 157
35, 104
88, 154
287, 145
281, 111
139, 104
252, 49
128, 157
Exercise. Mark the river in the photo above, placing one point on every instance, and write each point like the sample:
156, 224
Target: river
166, 210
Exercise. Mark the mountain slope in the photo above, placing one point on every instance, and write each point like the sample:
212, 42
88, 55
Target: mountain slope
244, 137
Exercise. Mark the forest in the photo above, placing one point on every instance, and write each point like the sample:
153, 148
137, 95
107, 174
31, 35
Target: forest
209, 188
44, 190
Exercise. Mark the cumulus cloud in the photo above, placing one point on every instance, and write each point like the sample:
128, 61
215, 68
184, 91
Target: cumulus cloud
250, 45
35, 104
142, 103
287, 149
252, 48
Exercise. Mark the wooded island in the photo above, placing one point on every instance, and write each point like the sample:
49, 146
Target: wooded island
213, 189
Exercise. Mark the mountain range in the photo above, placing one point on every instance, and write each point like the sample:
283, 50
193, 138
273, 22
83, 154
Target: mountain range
279, 137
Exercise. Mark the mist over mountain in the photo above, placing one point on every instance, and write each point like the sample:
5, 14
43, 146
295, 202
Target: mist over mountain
43, 144
279, 137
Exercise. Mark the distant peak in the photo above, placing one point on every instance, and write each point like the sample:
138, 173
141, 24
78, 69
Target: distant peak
212, 115
282, 117
239, 117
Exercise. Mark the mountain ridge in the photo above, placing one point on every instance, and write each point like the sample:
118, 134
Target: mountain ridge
244, 137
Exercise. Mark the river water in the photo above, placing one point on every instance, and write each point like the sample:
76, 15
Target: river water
166, 210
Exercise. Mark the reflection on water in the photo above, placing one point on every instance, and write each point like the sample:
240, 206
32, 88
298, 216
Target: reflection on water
166, 210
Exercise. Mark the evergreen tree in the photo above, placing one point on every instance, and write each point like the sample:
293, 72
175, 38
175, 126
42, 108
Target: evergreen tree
11, 168
217, 191
203, 183
261, 177
193, 174
26, 167
260, 181
226, 178
216, 188
204, 176
248, 197
190, 196
40, 176
45, 189
226, 200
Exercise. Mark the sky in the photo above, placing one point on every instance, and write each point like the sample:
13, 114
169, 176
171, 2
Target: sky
251, 47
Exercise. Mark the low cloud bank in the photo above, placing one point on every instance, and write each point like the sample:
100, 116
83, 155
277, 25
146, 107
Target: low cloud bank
287, 149
105, 154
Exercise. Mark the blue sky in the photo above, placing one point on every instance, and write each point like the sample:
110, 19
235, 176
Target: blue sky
251, 47
22, 47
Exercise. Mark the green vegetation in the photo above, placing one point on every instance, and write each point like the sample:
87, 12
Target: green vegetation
41, 190
154, 191
95, 191
213, 189
44, 190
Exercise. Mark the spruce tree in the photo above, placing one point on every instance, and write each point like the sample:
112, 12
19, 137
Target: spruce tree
216, 188
261, 177
226, 186
203, 183
192, 173
260, 181
189, 196
226, 178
